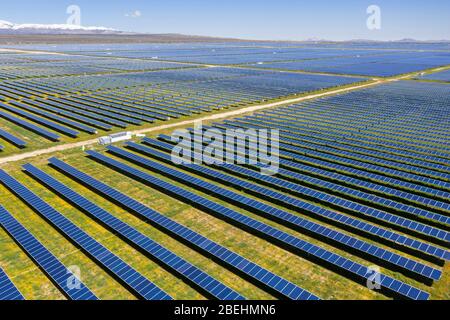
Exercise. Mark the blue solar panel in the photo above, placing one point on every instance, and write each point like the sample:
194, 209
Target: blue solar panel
141, 113
397, 207
245, 267
298, 137
276, 214
70, 115
113, 115
286, 116
138, 284
12, 139
291, 202
148, 246
119, 113
53, 268
262, 229
419, 229
84, 111
8, 290
42, 121
54, 117
42, 132
320, 152
359, 143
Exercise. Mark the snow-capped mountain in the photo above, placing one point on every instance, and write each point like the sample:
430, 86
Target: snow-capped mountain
12, 28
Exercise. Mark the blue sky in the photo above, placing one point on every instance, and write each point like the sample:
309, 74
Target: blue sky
251, 19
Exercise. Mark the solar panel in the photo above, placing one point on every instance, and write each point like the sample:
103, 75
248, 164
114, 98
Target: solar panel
361, 148
264, 230
145, 114
138, 284
12, 139
290, 202
414, 166
251, 271
419, 229
113, 115
42, 132
53, 268
8, 290
377, 196
83, 111
318, 152
42, 121
309, 174
118, 113
354, 171
145, 244
323, 233
70, 115
56, 118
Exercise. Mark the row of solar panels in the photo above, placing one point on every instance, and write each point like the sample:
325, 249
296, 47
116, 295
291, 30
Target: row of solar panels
127, 233
8, 290
393, 160
270, 212
327, 162
298, 205
299, 161
373, 121
368, 212
423, 176
297, 118
269, 233
380, 122
135, 282
362, 135
69, 115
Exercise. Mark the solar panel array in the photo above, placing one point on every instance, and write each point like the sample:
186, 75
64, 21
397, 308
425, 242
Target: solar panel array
232, 260
7, 289
287, 218
114, 99
144, 243
264, 230
290, 202
438, 76
363, 177
54, 269
123, 272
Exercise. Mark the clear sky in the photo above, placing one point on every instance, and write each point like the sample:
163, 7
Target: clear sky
249, 19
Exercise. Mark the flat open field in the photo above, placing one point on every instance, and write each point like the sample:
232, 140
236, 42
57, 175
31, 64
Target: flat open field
360, 196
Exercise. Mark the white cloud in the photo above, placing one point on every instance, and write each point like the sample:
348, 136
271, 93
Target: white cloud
134, 14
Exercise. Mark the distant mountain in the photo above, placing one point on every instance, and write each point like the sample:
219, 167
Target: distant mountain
13, 28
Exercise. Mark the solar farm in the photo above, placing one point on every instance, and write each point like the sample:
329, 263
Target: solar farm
359, 208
